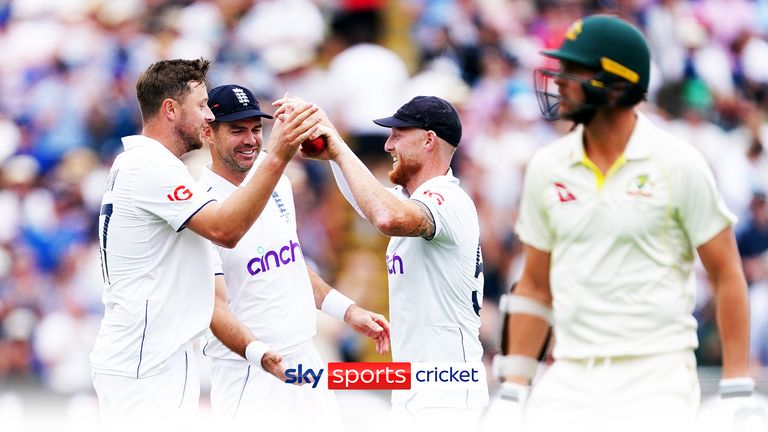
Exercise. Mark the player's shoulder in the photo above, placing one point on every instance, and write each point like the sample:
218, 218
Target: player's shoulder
149, 161
669, 149
284, 184
446, 193
556, 153
446, 185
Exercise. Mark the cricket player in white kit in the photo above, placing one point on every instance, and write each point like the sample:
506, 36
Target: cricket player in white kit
611, 217
433, 259
266, 295
159, 292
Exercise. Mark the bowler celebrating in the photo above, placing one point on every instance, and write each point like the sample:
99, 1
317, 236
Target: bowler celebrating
158, 275
266, 295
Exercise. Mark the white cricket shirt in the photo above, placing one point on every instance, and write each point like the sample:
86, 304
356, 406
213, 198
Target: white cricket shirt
159, 290
622, 246
267, 281
436, 290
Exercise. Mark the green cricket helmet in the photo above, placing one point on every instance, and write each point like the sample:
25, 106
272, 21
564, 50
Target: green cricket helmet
615, 50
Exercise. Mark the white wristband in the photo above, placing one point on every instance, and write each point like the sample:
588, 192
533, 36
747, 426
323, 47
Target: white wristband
336, 304
513, 392
517, 365
736, 387
517, 304
255, 351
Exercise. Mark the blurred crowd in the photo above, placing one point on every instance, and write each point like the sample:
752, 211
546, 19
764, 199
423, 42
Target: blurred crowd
67, 96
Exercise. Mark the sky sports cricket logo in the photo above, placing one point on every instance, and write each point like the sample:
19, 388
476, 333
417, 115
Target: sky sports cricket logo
391, 376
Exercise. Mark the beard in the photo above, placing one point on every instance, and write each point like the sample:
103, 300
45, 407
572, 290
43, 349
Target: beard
231, 162
404, 171
190, 136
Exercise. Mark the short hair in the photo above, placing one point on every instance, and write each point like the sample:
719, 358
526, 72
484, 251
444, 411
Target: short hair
168, 79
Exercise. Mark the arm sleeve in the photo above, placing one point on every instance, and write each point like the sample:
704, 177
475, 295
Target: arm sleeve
533, 225
702, 210
341, 182
170, 192
445, 205
218, 265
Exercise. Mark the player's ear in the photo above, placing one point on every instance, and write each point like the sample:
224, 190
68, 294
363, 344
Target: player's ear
169, 108
431, 141
208, 133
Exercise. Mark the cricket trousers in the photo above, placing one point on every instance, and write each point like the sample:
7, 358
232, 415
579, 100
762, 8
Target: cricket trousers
657, 393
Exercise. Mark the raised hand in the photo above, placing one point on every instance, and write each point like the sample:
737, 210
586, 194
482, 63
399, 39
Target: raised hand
369, 324
294, 124
335, 144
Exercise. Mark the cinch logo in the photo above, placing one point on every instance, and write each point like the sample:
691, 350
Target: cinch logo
393, 261
285, 255
181, 193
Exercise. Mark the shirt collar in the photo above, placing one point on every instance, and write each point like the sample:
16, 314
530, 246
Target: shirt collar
638, 147
151, 144
449, 177
133, 141
217, 182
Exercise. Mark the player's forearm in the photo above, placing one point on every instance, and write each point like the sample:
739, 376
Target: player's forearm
379, 206
238, 212
530, 316
231, 332
319, 287
732, 305
526, 337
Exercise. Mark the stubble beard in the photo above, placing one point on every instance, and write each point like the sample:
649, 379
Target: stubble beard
231, 163
191, 137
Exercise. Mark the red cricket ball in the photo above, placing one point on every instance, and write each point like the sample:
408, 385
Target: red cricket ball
314, 146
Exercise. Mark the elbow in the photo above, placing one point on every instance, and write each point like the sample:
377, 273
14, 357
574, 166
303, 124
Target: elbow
387, 223
228, 242
227, 238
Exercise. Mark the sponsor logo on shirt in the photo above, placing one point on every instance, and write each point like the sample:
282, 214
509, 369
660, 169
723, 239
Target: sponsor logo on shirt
272, 259
181, 193
394, 263
563, 193
438, 198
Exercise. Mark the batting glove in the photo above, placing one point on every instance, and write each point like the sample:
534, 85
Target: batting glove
739, 412
506, 410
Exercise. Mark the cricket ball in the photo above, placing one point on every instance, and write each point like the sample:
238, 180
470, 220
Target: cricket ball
314, 146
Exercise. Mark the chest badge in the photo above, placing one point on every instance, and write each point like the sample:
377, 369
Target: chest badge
563, 193
640, 186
